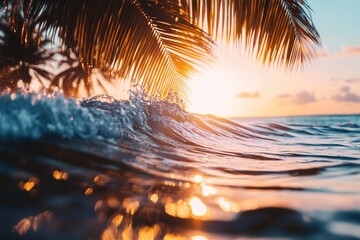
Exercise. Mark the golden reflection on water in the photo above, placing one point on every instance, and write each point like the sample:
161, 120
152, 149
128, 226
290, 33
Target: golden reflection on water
117, 220
23, 226
198, 208
154, 198
129, 214
185, 200
170, 236
208, 190
177, 199
115, 231
198, 179
27, 186
112, 202
227, 205
170, 183
101, 179
179, 209
32, 222
199, 238
130, 205
89, 191
119, 227
149, 233
60, 175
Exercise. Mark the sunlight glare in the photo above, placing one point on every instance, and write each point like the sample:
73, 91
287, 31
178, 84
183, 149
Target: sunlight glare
198, 179
198, 208
227, 205
212, 95
208, 190
215, 91
199, 238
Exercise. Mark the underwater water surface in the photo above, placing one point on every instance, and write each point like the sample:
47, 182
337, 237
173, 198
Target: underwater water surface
145, 169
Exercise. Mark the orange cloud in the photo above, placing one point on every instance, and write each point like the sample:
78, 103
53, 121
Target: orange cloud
352, 80
350, 51
248, 95
346, 51
300, 98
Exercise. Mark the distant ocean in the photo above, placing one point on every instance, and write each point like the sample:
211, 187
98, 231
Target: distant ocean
145, 169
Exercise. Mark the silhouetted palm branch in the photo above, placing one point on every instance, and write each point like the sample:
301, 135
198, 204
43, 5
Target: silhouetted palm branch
19, 58
163, 42
75, 77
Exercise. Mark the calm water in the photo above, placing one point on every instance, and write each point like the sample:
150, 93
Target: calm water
145, 169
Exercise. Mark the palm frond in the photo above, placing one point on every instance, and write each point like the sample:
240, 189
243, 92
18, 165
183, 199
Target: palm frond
277, 31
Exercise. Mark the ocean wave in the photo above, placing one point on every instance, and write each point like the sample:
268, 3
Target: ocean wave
38, 115
161, 125
146, 162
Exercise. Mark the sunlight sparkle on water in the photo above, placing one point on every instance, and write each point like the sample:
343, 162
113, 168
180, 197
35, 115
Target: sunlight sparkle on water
208, 190
199, 238
227, 205
89, 191
27, 186
150, 233
170, 236
154, 197
60, 175
198, 208
198, 179
117, 220
130, 205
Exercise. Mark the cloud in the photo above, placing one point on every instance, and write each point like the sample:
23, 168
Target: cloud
283, 96
303, 97
350, 51
323, 53
352, 80
346, 51
248, 95
345, 95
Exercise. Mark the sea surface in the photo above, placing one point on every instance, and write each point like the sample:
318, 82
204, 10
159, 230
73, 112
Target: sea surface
99, 168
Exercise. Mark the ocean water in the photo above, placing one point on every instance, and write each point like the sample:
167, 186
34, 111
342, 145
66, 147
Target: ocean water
145, 169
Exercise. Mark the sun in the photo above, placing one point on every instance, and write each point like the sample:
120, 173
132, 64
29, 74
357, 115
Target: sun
214, 92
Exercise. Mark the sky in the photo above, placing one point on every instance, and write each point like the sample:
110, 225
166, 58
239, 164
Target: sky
238, 86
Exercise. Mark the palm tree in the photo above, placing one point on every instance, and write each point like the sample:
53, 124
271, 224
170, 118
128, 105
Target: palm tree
20, 56
162, 43
76, 77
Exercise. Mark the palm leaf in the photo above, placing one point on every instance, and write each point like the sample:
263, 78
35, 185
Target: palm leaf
278, 31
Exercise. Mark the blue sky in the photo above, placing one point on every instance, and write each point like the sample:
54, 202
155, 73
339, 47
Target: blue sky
338, 22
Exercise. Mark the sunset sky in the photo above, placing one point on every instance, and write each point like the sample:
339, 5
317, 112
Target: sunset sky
239, 86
